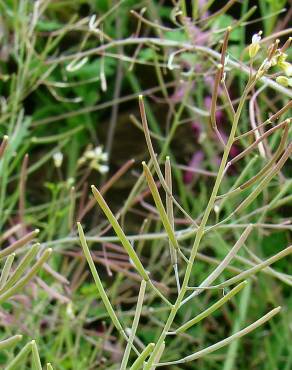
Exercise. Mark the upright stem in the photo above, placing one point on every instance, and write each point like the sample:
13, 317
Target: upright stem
201, 229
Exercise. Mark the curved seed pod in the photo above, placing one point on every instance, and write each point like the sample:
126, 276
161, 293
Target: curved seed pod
19, 243
212, 308
10, 341
140, 360
25, 279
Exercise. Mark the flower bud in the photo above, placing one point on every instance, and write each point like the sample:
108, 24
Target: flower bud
284, 81
284, 65
287, 68
58, 159
254, 47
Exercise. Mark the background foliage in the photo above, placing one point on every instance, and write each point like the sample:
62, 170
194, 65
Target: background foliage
51, 105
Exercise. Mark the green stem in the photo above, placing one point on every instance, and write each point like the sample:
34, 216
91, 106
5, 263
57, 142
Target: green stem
135, 325
201, 229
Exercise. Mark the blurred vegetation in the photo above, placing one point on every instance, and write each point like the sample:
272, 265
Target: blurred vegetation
70, 76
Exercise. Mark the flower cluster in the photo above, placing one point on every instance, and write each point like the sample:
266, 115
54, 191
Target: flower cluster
286, 68
96, 158
277, 57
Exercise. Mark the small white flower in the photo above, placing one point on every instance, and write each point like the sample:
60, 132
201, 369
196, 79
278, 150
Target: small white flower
256, 38
96, 159
103, 168
58, 159
104, 156
98, 151
254, 47
90, 154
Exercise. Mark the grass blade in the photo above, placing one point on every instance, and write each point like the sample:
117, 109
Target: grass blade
35, 356
6, 343
135, 325
20, 358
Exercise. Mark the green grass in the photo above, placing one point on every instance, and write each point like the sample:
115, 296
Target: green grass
134, 128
